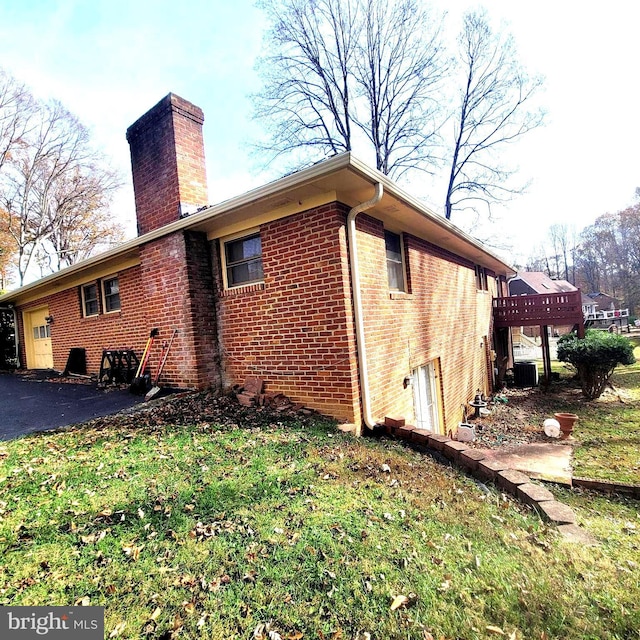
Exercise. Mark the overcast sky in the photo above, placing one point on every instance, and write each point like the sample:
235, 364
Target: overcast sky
109, 61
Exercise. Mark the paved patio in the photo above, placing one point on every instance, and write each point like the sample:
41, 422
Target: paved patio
544, 461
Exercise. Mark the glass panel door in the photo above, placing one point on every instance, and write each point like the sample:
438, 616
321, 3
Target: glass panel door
425, 398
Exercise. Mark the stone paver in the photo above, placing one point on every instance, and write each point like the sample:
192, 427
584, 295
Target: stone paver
510, 479
544, 460
557, 512
531, 494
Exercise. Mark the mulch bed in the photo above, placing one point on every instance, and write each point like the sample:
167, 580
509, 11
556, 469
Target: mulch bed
516, 418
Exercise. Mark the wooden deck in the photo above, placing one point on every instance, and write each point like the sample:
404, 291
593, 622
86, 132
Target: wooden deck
539, 309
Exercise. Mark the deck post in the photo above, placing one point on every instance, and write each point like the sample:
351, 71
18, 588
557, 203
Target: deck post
546, 354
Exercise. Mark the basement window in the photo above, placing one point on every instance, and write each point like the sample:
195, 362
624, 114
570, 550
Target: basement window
111, 294
243, 260
90, 306
395, 265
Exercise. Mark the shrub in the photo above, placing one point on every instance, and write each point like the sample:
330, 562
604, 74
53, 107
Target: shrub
595, 358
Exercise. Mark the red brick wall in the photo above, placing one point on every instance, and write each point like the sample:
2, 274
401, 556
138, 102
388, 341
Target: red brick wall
296, 331
171, 289
442, 317
178, 294
119, 330
167, 160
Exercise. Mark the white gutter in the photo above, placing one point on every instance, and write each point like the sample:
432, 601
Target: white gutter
357, 304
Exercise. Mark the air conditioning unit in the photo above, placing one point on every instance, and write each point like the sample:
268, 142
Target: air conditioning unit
525, 374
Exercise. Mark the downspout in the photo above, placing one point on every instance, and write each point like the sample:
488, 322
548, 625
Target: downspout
16, 335
357, 304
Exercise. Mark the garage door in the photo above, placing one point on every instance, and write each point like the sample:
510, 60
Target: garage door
38, 339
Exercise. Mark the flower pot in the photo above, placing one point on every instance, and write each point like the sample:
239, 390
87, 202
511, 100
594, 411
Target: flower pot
566, 420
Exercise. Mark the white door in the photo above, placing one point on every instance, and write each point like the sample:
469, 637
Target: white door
425, 398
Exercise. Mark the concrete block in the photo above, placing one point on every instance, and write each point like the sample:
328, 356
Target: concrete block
488, 469
470, 458
556, 512
421, 436
404, 431
436, 441
509, 480
394, 421
531, 494
453, 448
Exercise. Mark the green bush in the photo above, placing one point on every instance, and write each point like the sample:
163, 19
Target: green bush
595, 357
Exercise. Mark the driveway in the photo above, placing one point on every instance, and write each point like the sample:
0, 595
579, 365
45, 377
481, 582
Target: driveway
28, 404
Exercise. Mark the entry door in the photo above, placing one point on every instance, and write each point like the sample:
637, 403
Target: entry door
38, 339
426, 398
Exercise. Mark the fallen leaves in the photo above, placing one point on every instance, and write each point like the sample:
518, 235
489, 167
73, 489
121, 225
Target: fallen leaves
132, 550
400, 601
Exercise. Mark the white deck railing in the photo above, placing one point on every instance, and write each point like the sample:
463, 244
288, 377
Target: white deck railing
611, 314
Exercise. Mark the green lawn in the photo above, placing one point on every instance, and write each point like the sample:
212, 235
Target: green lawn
608, 431
213, 528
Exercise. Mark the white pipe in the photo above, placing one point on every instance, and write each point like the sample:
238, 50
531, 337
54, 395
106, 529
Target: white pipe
16, 336
357, 304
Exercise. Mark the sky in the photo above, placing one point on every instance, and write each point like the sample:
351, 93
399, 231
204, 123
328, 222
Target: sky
109, 61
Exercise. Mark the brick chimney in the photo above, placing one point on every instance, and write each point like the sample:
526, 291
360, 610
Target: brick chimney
167, 162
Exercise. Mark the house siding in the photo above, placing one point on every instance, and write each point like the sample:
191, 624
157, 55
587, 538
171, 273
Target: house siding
442, 318
296, 330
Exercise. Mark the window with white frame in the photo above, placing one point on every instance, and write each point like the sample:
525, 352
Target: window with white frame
395, 266
111, 294
90, 305
243, 260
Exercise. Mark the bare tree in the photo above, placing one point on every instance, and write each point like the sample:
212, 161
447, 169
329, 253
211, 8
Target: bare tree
17, 109
401, 68
6, 256
79, 215
493, 110
561, 239
307, 76
344, 71
44, 180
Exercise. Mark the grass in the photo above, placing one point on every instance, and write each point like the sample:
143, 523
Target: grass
209, 531
608, 431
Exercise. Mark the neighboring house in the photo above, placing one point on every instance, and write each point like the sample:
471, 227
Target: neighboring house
607, 312
332, 284
532, 282
589, 305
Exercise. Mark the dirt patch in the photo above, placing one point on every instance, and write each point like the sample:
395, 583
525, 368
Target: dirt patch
516, 418
517, 415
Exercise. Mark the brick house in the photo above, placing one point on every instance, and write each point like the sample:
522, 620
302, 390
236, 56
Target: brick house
332, 284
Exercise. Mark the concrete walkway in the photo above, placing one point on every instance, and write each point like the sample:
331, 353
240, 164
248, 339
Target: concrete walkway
544, 461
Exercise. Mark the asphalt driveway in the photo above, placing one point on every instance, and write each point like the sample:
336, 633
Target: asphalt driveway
28, 404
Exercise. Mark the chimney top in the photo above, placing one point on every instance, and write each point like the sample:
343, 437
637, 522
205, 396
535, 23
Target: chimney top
167, 162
